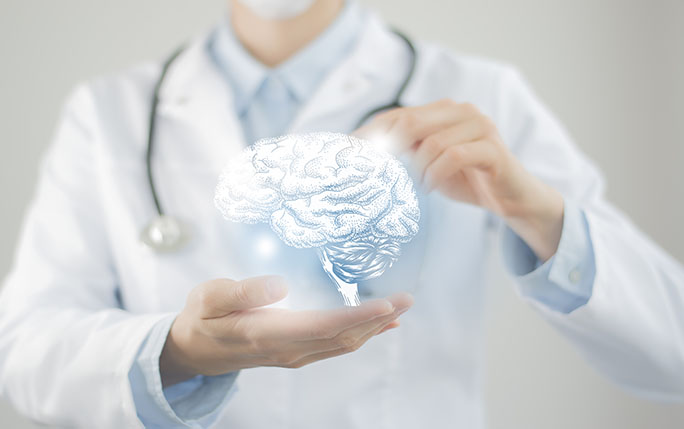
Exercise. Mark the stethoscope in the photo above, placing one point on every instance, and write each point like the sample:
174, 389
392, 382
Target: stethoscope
166, 233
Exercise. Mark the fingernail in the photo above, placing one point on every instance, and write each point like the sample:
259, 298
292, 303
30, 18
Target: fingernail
389, 308
275, 287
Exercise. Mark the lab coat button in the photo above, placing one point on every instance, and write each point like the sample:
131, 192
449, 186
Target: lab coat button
574, 276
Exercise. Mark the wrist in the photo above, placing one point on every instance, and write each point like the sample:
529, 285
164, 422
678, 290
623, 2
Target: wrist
172, 361
538, 219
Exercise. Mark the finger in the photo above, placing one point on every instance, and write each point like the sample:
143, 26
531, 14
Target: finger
293, 351
399, 129
402, 303
408, 125
412, 121
430, 148
220, 297
346, 338
278, 325
399, 303
279, 350
352, 335
379, 123
321, 324
273, 327
340, 351
401, 300
455, 158
326, 324
370, 131
391, 325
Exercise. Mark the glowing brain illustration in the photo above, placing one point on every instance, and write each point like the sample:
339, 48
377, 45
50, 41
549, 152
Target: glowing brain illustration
353, 202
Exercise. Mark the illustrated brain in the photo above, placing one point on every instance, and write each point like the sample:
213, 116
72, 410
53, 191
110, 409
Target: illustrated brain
351, 200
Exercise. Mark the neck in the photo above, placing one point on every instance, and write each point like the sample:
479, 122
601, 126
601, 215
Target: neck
274, 41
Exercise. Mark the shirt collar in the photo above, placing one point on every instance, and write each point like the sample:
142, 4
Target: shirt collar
302, 73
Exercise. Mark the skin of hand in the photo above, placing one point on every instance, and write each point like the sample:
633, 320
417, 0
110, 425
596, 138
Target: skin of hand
458, 150
225, 327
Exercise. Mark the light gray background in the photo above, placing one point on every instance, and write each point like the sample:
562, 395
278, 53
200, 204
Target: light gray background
611, 69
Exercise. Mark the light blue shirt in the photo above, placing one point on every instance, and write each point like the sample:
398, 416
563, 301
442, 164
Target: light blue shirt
266, 102
564, 282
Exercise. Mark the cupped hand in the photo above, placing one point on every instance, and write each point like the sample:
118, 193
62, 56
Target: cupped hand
224, 327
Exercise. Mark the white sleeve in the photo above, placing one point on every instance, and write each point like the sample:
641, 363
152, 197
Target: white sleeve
66, 346
632, 327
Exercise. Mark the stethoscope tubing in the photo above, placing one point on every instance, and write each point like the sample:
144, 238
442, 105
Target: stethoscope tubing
149, 153
152, 127
396, 102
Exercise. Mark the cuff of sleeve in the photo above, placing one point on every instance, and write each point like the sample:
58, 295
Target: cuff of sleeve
564, 282
193, 403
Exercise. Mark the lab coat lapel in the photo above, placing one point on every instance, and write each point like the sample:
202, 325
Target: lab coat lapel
195, 92
197, 95
357, 75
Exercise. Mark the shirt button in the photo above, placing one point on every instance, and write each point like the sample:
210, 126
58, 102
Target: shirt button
574, 276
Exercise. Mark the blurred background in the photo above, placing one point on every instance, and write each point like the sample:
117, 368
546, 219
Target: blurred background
612, 70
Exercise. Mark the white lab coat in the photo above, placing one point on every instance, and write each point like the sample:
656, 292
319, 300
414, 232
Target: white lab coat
83, 292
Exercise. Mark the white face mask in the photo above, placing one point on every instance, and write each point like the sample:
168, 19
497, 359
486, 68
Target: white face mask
278, 9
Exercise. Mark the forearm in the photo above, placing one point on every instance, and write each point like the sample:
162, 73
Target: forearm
537, 217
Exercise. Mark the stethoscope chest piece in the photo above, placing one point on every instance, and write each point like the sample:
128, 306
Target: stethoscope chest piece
165, 234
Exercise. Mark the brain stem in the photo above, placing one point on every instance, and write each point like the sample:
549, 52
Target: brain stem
349, 291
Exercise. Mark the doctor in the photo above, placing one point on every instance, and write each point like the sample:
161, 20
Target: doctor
97, 330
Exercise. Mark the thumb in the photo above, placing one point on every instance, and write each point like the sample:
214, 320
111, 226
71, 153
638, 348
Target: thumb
220, 297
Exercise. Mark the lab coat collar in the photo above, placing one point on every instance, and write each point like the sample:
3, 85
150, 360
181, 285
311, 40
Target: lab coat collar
193, 76
374, 57
301, 73
244, 72
195, 95
195, 84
